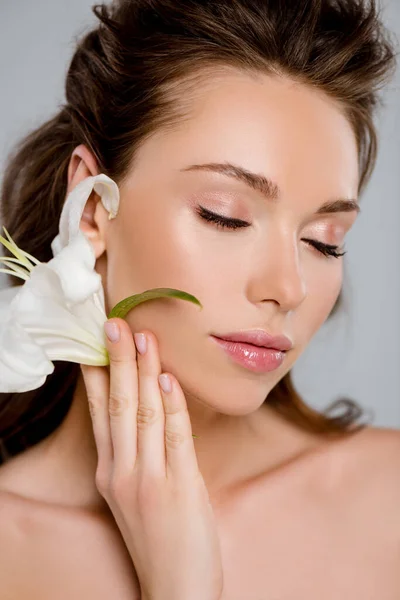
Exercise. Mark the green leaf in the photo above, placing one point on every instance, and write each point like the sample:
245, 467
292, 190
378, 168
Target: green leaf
124, 306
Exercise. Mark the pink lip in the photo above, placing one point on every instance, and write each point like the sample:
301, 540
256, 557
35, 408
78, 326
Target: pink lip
255, 358
259, 337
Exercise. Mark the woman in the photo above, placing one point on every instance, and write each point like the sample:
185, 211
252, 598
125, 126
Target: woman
240, 134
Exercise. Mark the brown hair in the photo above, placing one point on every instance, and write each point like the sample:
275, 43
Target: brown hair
128, 78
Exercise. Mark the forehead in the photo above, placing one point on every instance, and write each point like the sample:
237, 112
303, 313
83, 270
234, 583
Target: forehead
289, 131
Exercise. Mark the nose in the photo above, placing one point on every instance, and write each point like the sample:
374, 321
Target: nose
278, 275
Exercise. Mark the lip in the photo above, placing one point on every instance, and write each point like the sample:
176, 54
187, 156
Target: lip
258, 359
259, 337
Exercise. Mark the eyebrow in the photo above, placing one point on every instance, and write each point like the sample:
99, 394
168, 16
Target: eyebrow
268, 188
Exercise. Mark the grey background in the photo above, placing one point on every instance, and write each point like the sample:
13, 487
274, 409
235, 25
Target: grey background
358, 354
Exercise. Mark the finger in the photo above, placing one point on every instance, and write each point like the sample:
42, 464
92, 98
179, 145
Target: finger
150, 415
97, 383
123, 398
181, 459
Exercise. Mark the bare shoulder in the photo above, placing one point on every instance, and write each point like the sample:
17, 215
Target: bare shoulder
367, 464
15, 527
11, 557
373, 451
378, 449
24, 526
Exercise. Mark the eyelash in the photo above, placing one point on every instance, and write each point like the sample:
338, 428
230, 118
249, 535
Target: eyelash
224, 223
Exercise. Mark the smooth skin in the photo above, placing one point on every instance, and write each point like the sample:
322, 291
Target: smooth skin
299, 517
148, 473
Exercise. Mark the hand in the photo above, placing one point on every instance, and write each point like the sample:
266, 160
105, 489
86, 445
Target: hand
147, 472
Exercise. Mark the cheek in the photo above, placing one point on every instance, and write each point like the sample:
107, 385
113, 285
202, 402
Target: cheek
323, 289
157, 249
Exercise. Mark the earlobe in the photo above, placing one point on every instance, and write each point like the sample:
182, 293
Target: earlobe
96, 241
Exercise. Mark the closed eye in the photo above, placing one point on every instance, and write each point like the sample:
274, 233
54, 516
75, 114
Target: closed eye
219, 220
327, 250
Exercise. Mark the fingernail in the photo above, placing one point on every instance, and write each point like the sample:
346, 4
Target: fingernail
140, 341
165, 382
112, 331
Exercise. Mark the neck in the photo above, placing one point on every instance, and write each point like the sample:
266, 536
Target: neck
230, 451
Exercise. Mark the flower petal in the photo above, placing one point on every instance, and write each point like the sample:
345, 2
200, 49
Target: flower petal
59, 312
75, 203
74, 265
23, 365
72, 329
7, 294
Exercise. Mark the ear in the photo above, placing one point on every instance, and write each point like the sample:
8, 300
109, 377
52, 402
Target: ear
83, 164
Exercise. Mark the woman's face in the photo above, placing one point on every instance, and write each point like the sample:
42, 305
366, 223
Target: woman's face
262, 276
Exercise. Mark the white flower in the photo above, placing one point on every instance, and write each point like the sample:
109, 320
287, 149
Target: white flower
59, 311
